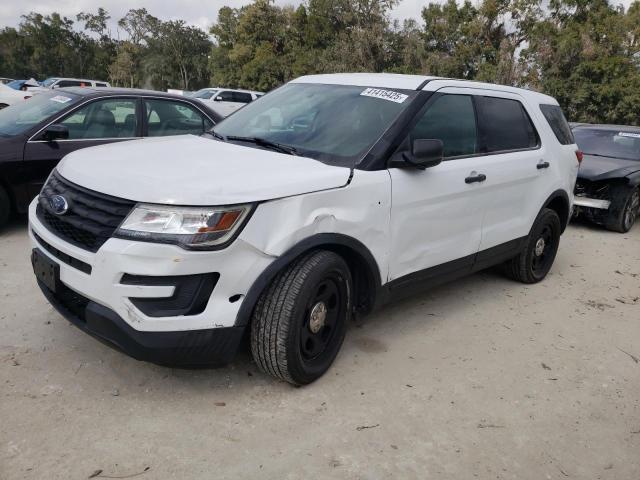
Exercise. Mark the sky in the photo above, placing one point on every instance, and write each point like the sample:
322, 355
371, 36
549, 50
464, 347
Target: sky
195, 12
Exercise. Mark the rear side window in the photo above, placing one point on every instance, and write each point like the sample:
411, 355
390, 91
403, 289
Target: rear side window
166, 117
558, 123
98, 84
504, 125
451, 118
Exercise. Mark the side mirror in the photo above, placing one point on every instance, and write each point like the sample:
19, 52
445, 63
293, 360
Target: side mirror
56, 132
425, 153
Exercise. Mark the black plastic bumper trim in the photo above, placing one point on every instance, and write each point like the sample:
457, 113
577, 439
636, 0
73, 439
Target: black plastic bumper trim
190, 348
63, 257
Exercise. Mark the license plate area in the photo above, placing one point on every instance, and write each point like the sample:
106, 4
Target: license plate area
46, 270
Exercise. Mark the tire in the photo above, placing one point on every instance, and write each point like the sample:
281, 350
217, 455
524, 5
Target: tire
536, 258
5, 207
624, 210
292, 337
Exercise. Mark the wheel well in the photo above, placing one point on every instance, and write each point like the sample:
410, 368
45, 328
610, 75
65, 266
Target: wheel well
9, 192
560, 205
364, 279
362, 265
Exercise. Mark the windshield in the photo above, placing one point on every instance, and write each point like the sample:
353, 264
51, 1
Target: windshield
336, 124
609, 143
204, 94
48, 82
20, 117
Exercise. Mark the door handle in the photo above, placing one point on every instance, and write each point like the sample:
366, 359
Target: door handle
481, 177
542, 165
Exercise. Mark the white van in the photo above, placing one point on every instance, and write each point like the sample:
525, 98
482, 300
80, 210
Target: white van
330, 196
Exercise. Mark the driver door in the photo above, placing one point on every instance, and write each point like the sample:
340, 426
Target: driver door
436, 218
94, 123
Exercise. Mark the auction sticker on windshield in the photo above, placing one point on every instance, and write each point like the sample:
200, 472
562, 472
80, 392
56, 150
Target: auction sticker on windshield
628, 134
60, 99
389, 95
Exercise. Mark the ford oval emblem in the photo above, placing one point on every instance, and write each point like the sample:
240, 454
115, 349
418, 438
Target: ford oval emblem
59, 204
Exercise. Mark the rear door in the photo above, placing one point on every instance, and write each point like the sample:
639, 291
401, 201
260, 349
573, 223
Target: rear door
97, 122
514, 165
436, 214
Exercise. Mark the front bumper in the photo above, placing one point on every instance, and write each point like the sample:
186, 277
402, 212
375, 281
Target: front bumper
215, 346
117, 284
587, 202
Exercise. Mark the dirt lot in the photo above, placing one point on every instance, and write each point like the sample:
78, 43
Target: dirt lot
482, 378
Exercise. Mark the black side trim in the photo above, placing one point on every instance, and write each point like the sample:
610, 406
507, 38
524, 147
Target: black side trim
431, 277
329, 241
191, 295
63, 257
216, 346
498, 254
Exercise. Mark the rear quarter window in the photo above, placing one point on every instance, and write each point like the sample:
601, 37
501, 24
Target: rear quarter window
558, 123
504, 125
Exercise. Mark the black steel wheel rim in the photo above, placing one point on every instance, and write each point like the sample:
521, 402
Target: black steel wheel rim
316, 337
541, 261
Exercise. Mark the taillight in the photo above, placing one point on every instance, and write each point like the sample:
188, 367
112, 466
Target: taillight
579, 156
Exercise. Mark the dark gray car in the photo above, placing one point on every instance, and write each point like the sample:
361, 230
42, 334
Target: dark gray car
608, 187
37, 133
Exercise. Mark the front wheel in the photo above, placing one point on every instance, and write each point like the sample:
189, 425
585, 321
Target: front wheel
536, 258
624, 210
5, 207
300, 320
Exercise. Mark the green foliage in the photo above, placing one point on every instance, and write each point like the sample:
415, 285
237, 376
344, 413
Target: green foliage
586, 53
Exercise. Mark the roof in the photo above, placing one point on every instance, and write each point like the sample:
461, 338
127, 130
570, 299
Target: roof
612, 127
415, 82
385, 80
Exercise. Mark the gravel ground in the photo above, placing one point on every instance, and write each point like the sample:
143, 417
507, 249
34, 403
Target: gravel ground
482, 378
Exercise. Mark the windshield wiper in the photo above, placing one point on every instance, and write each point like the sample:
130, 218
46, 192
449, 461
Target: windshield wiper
262, 142
214, 135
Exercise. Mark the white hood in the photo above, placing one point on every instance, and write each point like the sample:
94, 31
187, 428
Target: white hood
190, 170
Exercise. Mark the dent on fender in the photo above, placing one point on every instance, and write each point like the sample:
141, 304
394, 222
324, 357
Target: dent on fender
350, 211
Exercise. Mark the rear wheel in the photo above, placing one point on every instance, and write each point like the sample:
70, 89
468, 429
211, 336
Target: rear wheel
536, 258
624, 209
299, 322
5, 207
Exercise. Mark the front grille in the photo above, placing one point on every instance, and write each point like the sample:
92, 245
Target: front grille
585, 188
71, 301
91, 217
63, 257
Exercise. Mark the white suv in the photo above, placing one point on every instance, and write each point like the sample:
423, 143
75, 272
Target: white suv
225, 101
330, 196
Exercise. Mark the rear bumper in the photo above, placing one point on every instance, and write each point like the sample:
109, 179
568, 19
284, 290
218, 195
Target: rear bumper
216, 346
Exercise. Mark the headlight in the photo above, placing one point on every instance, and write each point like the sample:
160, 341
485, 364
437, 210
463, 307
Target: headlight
201, 228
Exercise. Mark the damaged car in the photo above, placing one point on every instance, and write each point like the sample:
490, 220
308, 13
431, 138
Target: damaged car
608, 187
329, 197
